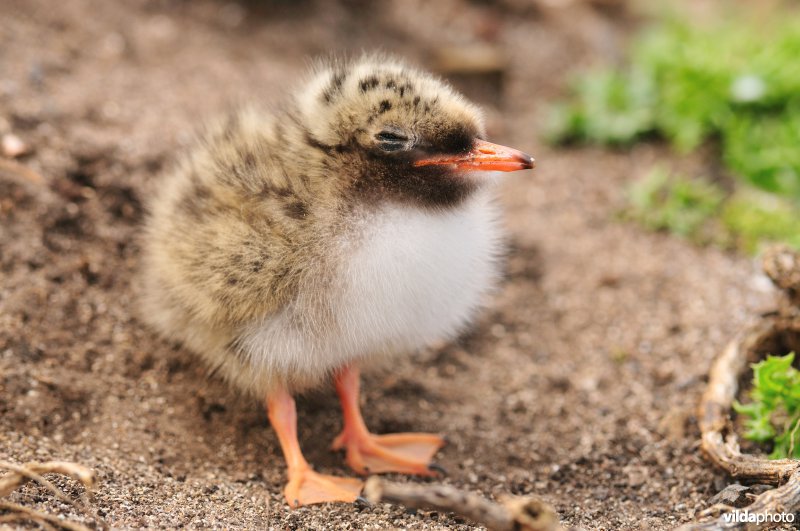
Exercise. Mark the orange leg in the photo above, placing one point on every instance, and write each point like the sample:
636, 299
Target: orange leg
407, 453
305, 486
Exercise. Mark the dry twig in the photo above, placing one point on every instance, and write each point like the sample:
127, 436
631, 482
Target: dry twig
20, 171
20, 475
521, 514
20, 512
33, 471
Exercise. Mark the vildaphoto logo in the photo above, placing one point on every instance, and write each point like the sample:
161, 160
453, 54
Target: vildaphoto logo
746, 517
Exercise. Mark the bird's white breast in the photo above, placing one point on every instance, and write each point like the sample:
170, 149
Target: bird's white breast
418, 275
407, 277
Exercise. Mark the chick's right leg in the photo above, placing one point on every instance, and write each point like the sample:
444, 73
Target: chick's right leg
305, 486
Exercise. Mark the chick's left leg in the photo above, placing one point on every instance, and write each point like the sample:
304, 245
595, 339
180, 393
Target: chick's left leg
305, 486
407, 453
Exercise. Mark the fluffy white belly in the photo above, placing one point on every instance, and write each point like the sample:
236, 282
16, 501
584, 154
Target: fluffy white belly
408, 277
419, 276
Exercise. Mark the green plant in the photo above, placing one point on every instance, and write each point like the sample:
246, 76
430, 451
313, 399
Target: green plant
764, 151
773, 414
750, 218
677, 204
611, 109
731, 83
702, 212
735, 84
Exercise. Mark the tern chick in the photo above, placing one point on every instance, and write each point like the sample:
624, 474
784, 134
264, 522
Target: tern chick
356, 223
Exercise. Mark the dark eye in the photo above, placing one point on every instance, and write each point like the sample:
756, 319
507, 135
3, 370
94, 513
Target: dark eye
392, 140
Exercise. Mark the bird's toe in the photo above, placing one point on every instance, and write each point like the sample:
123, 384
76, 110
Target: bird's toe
307, 487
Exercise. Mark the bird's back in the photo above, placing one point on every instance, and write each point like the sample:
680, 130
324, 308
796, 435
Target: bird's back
229, 236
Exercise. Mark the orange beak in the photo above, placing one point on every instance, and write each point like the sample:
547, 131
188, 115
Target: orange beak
484, 156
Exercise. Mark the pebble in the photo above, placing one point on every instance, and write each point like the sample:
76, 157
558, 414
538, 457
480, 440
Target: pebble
13, 146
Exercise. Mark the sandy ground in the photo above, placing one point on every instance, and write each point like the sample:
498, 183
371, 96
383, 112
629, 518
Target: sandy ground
577, 385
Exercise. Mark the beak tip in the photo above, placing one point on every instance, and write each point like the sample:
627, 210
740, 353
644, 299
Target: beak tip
528, 162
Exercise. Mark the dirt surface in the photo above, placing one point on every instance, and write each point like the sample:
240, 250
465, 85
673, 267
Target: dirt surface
577, 385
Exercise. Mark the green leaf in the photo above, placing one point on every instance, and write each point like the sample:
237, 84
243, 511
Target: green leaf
773, 415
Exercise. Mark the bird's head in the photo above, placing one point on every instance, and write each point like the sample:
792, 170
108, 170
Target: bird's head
388, 131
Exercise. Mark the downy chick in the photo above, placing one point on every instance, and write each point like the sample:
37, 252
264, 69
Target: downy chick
353, 224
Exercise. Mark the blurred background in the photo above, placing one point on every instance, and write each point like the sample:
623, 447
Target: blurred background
666, 139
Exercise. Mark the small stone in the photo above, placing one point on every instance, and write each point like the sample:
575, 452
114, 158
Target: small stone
637, 475
734, 495
13, 146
